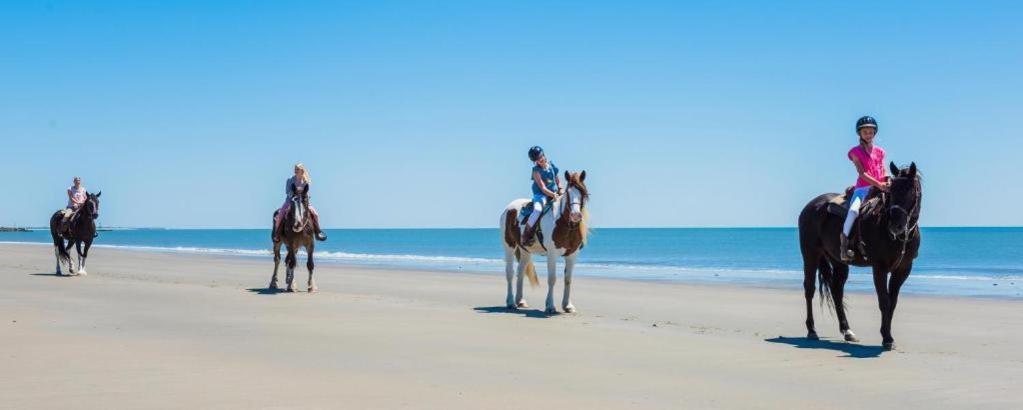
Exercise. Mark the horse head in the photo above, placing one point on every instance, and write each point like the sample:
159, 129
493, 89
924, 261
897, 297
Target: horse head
300, 210
92, 204
577, 196
904, 199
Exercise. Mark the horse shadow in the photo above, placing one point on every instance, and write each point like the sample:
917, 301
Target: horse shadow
850, 349
533, 313
51, 274
265, 291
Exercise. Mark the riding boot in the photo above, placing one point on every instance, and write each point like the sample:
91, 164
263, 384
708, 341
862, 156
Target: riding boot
844, 252
528, 236
320, 236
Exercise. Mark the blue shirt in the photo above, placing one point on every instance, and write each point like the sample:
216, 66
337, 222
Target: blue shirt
547, 175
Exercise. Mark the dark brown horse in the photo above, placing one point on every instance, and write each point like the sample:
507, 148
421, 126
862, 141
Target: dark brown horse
888, 240
79, 231
296, 231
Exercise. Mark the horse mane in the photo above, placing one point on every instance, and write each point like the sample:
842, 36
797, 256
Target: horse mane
575, 181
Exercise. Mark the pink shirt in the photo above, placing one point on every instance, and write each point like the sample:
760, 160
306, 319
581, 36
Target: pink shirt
873, 164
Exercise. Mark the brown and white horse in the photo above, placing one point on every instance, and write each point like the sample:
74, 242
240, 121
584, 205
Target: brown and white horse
296, 232
562, 233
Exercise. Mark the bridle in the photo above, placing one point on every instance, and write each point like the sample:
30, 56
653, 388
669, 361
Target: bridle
569, 203
298, 204
910, 228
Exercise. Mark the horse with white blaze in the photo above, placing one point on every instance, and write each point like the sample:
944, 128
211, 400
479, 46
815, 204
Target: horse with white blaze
562, 233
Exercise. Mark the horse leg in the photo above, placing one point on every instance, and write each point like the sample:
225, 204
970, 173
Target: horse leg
809, 287
289, 269
883, 303
276, 264
509, 274
841, 272
83, 253
566, 300
309, 265
70, 262
899, 277
552, 278
525, 261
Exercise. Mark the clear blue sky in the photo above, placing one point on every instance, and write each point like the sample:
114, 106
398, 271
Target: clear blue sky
419, 114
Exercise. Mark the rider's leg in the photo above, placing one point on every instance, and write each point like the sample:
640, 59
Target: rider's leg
277, 220
320, 236
854, 211
530, 231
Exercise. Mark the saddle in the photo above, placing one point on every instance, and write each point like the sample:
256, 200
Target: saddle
526, 211
839, 206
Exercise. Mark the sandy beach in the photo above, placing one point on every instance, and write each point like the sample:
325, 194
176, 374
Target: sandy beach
158, 330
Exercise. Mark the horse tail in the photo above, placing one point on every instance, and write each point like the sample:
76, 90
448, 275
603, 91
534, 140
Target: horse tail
825, 276
58, 241
531, 273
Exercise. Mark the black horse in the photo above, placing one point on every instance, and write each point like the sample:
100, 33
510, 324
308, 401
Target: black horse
296, 231
80, 230
886, 237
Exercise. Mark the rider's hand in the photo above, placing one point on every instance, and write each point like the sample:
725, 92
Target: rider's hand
552, 195
561, 191
886, 185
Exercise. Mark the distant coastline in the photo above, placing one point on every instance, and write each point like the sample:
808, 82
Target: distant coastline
12, 229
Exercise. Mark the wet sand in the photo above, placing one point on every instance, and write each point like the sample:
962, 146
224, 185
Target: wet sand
155, 330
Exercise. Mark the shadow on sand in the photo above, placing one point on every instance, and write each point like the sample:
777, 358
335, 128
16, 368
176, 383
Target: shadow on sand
533, 313
265, 291
51, 274
850, 349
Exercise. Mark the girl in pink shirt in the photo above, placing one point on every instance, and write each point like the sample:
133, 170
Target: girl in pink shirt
869, 162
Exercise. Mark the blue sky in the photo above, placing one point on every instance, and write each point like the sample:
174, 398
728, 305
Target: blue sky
419, 114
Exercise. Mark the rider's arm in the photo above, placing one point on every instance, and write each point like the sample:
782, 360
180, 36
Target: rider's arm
70, 196
557, 180
866, 177
539, 182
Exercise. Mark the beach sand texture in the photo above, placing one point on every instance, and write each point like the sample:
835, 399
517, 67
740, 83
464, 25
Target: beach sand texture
156, 330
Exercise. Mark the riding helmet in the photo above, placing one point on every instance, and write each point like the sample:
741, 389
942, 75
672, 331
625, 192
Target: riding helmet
535, 153
866, 122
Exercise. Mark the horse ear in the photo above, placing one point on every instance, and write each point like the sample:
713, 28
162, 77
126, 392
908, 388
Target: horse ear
99, 193
567, 174
912, 169
895, 169
582, 176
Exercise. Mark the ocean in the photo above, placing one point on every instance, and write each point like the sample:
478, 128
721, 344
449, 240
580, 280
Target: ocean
974, 262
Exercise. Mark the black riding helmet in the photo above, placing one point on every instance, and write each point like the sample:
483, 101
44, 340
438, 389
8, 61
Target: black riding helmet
535, 153
866, 122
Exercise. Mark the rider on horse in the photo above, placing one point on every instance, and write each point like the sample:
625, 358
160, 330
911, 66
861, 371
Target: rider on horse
546, 185
76, 196
869, 162
295, 186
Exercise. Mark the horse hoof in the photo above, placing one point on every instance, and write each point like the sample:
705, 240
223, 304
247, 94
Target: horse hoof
83, 273
569, 309
550, 311
522, 305
813, 336
313, 290
849, 337
888, 346
273, 286
291, 290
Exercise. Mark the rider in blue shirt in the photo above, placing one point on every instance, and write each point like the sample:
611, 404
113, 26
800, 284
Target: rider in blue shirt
546, 186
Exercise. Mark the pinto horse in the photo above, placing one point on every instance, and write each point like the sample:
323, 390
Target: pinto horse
80, 231
296, 231
562, 233
889, 239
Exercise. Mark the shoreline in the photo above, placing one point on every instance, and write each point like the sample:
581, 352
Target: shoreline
699, 276
171, 330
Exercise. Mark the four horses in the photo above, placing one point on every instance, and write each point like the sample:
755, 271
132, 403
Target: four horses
296, 231
81, 229
889, 238
562, 233
888, 241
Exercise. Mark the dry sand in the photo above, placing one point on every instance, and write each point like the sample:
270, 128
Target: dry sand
152, 330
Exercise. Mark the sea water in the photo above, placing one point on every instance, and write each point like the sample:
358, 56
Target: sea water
981, 262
